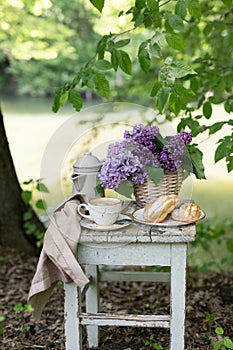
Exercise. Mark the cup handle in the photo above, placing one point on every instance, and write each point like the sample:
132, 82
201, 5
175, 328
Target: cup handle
85, 206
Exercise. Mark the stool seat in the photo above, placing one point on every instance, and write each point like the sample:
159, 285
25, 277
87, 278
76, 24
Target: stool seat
135, 245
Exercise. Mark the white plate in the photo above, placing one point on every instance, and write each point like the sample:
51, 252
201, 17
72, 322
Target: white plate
120, 223
138, 216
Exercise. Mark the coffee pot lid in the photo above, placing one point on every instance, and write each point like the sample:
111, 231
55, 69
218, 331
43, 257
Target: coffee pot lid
87, 162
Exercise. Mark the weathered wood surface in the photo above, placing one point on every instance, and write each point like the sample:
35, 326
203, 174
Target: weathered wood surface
133, 276
145, 254
101, 319
141, 233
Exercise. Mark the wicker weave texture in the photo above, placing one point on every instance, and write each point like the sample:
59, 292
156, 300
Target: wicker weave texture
148, 192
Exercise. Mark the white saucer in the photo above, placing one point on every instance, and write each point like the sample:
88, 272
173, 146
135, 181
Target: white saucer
118, 224
168, 222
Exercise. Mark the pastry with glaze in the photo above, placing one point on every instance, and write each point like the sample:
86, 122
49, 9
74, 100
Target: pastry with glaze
158, 210
187, 212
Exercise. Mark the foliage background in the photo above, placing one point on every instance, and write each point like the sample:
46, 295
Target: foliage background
174, 56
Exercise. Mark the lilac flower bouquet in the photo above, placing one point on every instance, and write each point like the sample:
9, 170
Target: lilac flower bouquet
145, 154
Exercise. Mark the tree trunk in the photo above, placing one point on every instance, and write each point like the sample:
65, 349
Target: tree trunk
12, 207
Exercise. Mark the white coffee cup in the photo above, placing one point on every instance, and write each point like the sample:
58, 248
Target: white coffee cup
103, 211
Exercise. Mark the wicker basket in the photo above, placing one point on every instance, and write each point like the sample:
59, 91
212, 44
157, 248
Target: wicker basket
147, 192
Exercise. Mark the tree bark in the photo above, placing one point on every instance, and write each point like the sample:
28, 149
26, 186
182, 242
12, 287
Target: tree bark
12, 207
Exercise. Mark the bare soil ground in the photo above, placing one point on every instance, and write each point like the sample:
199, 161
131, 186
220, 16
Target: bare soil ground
209, 304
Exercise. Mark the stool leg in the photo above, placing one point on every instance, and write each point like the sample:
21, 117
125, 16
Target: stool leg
178, 290
73, 328
92, 304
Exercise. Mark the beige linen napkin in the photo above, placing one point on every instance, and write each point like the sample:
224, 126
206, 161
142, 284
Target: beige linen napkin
57, 261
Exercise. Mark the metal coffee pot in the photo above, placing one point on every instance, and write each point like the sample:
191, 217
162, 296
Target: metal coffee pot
85, 176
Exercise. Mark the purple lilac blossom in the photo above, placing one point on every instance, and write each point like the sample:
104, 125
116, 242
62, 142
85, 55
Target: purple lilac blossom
146, 157
168, 162
178, 143
127, 159
143, 135
120, 168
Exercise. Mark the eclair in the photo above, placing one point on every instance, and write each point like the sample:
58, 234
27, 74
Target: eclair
158, 210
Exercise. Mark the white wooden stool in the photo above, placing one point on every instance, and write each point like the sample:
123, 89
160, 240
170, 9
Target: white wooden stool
140, 245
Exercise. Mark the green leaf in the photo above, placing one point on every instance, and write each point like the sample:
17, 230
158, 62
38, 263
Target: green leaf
18, 307
180, 70
99, 4
215, 127
143, 46
180, 90
28, 308
28, 182
220, 152
174, 41
26, 196
229, 245
125, 188
217, 345
64, 98
219, 330
146, 342
27, 215
140, 4
122, 43
155, 174
40, 204
174, 104
76, 100
230, 163
144, 60
102, 85
193, 125
228, 343
196, 158
153, 7
155, 50
103, 65
114, 59
56, 103
41, 187
193, 7
227, 107
227, 2
207, 109
125, 62
180, 9
160, 142
162, 96
176, 23
101, 46
155, 88
99, 188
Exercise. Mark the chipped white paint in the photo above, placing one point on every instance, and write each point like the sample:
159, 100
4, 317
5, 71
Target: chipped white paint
162, 321
73, 329
178, 289
92, 304
135, 245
